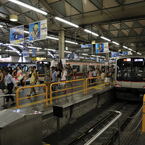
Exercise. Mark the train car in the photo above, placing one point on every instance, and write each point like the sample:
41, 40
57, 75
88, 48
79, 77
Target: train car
130, 78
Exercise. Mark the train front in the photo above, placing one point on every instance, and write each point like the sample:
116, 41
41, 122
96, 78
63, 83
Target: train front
130, 78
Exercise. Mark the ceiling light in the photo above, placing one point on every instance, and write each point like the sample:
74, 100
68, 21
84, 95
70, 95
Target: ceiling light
13, 18
51, 37
27, 32
84, 54
14, 49
71, 42
28, 6
115, 43
139, 53
125, 47
67, 51
1, 26
90, 32
66, 22
105, 38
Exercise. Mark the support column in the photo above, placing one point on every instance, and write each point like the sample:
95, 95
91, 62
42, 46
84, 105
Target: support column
61, 44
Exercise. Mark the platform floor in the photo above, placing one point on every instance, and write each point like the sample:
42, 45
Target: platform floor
141, 140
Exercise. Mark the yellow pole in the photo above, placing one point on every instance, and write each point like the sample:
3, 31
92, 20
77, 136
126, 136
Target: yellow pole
50, 93
17, 98
143, 115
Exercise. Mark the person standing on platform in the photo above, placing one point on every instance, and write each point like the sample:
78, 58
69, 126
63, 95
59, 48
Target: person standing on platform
2, 84
33, 80
10, 85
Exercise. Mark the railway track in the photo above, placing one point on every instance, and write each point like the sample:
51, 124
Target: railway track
108, 137
86, 131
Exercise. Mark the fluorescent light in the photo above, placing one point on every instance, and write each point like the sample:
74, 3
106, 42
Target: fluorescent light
1, 26
139, 53
84, 54
66, 22
51, 37
125, 47
93, 33
14, 49
115, 42
32, 47
28, 6
27, 32
67, 51
71, 42
105, 38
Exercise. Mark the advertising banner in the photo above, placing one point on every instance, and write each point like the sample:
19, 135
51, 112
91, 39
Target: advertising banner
17, 35
38, 30
102, 48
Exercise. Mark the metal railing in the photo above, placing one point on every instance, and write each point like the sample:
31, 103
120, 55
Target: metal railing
25, 99
48, 92
104, 129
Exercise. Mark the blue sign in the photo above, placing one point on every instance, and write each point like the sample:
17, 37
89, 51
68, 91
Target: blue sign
117, 54
102, 48
86, 45
17, 35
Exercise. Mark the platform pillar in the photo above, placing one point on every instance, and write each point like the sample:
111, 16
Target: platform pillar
61, 44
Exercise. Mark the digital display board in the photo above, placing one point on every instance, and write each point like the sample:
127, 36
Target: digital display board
138, 60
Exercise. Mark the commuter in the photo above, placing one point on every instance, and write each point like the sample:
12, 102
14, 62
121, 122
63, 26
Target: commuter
102, 75
54, 74
2, 84
33, 80
48, 73
64, 75
54, 77
94, 74
10, 84
69, 72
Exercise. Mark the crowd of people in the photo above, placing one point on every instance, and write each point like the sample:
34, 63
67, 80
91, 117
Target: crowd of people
11, 78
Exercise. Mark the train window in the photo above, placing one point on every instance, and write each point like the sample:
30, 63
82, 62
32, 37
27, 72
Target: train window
133, 70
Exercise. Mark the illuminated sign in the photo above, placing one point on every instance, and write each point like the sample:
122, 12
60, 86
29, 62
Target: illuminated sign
138, 60
127, 59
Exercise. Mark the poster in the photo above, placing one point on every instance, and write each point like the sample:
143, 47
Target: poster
17, 35
102, 48
38, 30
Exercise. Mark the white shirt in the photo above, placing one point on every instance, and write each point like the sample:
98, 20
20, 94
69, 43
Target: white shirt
9, 79
64, 74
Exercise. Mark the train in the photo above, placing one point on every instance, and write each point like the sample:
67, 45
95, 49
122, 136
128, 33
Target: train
130, 78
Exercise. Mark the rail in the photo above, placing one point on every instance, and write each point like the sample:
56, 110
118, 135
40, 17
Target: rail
55, 90
104, 129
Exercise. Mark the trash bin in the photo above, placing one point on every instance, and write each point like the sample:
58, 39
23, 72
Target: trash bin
20, 129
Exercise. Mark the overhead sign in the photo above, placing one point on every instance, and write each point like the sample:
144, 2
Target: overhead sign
86, 45
117, 54
38, 30
102, 47
17, 35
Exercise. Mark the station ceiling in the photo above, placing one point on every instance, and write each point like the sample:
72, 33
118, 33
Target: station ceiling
120, 20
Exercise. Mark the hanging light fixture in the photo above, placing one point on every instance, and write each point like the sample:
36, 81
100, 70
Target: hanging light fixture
13, 18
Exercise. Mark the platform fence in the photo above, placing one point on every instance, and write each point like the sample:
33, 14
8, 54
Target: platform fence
47, 93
